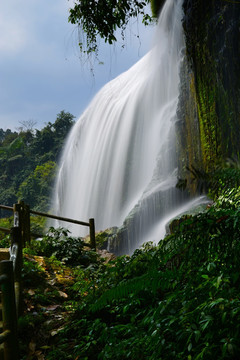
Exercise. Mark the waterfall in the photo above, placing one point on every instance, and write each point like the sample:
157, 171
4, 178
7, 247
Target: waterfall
119, 162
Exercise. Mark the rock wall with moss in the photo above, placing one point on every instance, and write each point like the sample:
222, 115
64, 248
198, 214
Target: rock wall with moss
187, 128
210, 96
208, 125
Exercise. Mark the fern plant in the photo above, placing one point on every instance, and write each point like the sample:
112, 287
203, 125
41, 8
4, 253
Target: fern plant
153, 281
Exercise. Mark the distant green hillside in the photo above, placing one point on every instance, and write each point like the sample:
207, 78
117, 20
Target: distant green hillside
28, 161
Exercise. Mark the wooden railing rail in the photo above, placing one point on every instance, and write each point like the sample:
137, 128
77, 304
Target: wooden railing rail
90, 224
22, 213
5, 230
4, 207
59, 218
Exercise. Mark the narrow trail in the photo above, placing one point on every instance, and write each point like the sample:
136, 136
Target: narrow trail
47, 305
49, 300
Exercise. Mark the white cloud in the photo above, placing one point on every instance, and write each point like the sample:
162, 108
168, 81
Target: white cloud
13, 34
40, 70
29, 23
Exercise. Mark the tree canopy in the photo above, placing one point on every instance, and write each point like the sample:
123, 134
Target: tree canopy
103, 17
28, 161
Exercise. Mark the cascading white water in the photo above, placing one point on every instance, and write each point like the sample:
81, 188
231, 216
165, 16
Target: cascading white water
120, 155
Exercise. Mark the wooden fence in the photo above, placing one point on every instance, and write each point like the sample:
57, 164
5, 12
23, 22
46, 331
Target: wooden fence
10, 271
22, 212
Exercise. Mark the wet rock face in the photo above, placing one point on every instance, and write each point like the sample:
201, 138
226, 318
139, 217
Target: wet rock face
188, 144
212, 31
215, 25
208, 121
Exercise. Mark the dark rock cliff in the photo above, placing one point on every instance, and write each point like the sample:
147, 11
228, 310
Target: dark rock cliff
212, 31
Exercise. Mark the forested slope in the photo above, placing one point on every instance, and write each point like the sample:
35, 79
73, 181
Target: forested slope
28, 161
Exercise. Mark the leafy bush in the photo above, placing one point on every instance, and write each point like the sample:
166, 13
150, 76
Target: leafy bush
4, 238
177, 300
32, 273
5, 241
68, 249
224, 177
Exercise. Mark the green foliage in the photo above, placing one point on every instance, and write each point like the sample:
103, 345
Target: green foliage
38, 224
36, 186
32, 273
220, 179
6, 223
103, 18
68, 249
224, 178
5, 241
177, 300
28, 161
229, 200
63, 124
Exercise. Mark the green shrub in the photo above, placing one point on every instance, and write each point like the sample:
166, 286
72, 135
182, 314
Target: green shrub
177, 300
68, 249
32, 273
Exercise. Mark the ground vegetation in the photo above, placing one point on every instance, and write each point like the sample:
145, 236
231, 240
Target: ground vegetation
176, 299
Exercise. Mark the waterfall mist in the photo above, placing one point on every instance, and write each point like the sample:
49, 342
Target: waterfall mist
119, 162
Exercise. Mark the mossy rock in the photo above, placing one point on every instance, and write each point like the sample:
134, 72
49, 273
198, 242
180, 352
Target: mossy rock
102, 237
175, 223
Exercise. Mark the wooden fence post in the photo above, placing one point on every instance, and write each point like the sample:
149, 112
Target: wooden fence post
21, 213
9, 311
17, 241
16, 215
92, 234
26, 223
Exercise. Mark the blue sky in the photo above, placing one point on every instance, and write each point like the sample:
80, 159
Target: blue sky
41, 69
